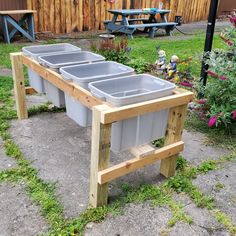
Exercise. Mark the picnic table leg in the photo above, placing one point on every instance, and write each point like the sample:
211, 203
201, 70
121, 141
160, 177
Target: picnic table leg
5, 29
100, 157
174, 132
30, 21
19, 85
152, 32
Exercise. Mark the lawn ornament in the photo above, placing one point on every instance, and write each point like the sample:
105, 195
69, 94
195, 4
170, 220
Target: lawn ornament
172, 67
161, 62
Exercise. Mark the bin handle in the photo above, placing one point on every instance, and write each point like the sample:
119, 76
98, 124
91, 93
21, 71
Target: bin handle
98, 96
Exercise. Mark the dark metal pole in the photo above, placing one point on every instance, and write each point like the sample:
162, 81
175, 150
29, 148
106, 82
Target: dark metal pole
209, 37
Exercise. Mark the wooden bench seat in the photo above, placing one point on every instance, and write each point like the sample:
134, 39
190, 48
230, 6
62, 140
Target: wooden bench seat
155, 25
130, 20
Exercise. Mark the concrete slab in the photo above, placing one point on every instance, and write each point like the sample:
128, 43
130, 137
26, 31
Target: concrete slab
36, 100
19, 217
220, 184
196, 150
5, 71
139, 220
60, 149
5, 161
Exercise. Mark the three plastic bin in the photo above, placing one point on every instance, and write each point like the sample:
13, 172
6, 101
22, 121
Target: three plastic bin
128, 90
35, 51
55, 62
83, 75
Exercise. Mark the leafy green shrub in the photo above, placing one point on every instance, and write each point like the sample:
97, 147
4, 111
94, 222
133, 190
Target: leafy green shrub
113, 50
219, 105
139, 64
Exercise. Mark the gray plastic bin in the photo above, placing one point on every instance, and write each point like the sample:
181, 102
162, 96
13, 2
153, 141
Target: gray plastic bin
40, 50
83, 75
55, 62
129, 90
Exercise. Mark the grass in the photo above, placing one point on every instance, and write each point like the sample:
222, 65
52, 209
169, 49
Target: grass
215, 136
5, 49
183, 48
43, 194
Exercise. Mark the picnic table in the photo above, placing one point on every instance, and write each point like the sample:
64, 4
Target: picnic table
128, 24
18, 26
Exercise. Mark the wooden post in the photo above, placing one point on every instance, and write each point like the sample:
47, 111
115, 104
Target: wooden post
100, 157
174, 132
19, 85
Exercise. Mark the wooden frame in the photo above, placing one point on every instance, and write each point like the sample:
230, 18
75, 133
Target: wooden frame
103, 117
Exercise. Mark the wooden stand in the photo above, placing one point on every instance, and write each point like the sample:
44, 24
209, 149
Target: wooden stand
103, 117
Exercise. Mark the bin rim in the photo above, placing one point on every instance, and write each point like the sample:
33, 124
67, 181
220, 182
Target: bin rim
26, 51
92, 78
105, 96
44, 62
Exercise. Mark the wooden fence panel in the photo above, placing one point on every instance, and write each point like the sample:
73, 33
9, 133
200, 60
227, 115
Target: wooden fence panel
67, 16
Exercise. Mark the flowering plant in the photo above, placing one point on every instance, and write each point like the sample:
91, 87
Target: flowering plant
219, 104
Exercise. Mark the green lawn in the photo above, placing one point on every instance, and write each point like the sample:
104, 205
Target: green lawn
146, 48
5, 49
183, 48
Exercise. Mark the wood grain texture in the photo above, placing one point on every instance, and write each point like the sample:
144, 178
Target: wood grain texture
56, 79
174, 132
100, 157
84, 15
129, 166
19, 85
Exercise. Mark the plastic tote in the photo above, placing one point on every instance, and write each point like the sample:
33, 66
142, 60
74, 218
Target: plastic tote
129, 90
83, 75
40, 50
55, 62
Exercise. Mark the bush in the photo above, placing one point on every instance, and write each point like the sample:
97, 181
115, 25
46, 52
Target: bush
113, 50
219, 105
139, 64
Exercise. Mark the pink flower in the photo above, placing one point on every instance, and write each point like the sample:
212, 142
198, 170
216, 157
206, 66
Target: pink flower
212, 121
234, 114
223, 78
201, 101
211, 73
233, 19
186, 84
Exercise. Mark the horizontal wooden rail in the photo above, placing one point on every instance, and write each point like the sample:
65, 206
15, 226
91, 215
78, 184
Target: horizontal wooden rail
84, 96
129, 111
126, 167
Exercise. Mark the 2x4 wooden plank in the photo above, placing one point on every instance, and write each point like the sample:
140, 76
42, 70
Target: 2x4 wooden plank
126, 167
72, 89
100, 156
129, 111
19, 85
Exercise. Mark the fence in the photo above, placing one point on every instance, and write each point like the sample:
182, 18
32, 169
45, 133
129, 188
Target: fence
67, 16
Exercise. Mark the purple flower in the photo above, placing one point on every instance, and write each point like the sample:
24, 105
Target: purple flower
212, 121
234, 114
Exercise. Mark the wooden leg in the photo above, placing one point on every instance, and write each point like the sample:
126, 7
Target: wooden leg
19, 85
5, 30
174, 132
31, 25
100, 157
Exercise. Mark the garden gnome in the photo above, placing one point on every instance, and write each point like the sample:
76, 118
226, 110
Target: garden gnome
172, 67
161, 62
